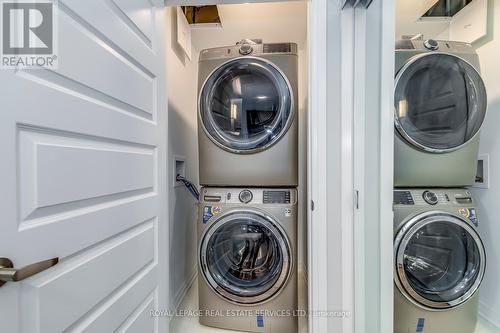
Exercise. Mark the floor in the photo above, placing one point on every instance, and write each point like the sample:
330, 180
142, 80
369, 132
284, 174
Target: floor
485, 327
190, 324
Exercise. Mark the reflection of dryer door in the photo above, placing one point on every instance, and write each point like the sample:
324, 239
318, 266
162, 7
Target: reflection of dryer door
245, 257
246, 105
440, 102
440, 261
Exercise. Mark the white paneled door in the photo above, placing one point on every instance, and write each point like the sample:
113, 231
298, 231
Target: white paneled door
82, 175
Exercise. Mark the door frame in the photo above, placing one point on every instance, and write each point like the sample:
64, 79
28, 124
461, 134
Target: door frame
355, 45
318, 95
374, 147
347, 40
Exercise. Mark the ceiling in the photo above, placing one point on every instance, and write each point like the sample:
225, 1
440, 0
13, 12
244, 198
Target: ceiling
408, 13
287, 21
271, 22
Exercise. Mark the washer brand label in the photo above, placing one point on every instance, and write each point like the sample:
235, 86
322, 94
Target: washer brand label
469, 213
260, 321
420, 325
209, 211
464, 212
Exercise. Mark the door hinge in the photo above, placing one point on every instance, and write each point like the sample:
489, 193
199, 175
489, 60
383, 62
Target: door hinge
356, 199
312, 204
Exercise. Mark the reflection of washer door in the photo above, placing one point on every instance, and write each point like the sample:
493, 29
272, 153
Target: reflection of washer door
246, 105
440, 102
245, 257
440, 261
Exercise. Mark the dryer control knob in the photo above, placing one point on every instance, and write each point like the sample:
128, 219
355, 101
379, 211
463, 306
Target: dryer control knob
431, 44
430, 197
246, 49
245, 196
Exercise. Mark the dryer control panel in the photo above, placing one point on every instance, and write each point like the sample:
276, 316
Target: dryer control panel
247, 49
243, 196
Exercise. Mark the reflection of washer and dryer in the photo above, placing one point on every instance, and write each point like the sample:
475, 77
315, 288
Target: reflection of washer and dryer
440, 261
247, 247
440, 104
247, 128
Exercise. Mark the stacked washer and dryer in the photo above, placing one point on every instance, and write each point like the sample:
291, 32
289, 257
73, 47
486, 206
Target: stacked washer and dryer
440, 105
248, 154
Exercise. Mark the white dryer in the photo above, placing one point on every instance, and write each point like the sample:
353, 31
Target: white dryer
247, 121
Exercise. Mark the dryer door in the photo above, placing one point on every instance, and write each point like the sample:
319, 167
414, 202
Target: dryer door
245, 257
440, 102
440, 260
246, 105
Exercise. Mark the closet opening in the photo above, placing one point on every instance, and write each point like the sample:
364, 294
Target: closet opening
237, 87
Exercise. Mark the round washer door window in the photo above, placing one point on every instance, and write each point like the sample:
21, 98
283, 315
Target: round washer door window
440, 261
246, 105
440, 102
245, 257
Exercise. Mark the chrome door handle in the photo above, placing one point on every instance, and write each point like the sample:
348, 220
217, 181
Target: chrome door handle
10, 274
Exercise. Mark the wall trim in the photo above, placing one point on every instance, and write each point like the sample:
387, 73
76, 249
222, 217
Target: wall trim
488, 314
181, 294
317, 241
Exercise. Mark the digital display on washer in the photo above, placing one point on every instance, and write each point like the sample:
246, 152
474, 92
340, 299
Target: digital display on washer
276, 197
403, 198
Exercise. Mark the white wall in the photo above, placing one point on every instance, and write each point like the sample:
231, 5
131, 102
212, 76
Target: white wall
271, 22
183, 141
408, 13
488, 199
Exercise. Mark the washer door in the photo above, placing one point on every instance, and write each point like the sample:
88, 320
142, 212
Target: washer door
245, 257
440, 260
246, 105
440, 102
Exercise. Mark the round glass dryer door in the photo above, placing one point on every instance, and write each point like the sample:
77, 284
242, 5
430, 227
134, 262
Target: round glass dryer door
440, 261
440, 102
246, 105
245, 257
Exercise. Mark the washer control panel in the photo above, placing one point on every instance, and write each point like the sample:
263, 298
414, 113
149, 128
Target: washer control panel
243, 196
432, 197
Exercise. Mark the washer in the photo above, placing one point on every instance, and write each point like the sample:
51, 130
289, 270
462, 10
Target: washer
440, 105
439, 261
247, 115
247, 243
